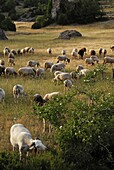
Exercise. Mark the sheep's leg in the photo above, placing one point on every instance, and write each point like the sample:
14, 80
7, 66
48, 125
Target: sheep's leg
44, 125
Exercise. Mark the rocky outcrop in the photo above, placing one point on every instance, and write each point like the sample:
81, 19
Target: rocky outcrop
69, 34
2, 35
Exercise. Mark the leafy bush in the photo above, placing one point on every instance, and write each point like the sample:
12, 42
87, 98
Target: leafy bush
8, 25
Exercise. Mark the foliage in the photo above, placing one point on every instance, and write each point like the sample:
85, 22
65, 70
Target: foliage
9, 5
8, 25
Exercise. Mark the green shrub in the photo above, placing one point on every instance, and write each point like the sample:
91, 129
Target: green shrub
8, 25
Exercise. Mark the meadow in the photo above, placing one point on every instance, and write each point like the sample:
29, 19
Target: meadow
94, 36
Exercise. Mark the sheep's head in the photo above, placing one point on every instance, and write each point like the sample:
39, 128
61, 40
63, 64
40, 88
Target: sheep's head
37, 144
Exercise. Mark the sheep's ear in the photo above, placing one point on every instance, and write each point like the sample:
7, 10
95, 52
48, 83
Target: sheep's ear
32, 145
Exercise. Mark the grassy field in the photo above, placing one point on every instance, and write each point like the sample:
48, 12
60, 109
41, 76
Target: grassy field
94, 36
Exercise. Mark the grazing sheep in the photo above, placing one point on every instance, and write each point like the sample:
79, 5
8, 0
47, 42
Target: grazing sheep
22, 51
33, 63
83, 72
112, 48
49, 96
62, 77
6, 51
38, 99
103, 52
92, 52
40, 72
31, 50
67, 84
57, 67
89, 61
2, 70
18, 90
81, 52
94, 58
63, 58
79, 67
108, 60
21, 137
13, 51
2, 62
10, 71
57, 72
26, 49
27, 71
2, 95
19, 51
49, 51
74, 53
48, 65
11, 55
11, 61
63, 52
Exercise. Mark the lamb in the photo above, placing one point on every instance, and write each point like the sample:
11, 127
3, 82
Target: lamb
40, 72
2, 95
10, 71
67, 84
89, 61
27, 71
33, 63
49, 96
63, 58
18, 90
81, 52
62, 77
48, 65
108, 60
94, 58
49, 51
21, 137
2, 62
57, 67
11, 61
6, 51
74, 53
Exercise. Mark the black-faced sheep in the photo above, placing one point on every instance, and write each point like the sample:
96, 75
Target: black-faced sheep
21, 137
11, 61
92, 52
2, 95
103, 52
67, 84
81, 52
2, 70
63, 52
6, 51
11, 55
38, 99
49, 51
18, 90
79, 67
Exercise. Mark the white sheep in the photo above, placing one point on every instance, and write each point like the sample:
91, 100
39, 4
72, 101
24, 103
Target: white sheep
83, 72
79, 67
2, 95
94, 58
10, 71
102, 51
18, 90
74, 53
63, 58
57, 67
27, 71
67, 84
11, 61
62, 77
21, 137
49, 51
11, 55
89, 61
40, 72
6, 51
31, 50
26, 49
2, 62
108, 60
57, 72
48, 65
63, 52
32, 63
49, 96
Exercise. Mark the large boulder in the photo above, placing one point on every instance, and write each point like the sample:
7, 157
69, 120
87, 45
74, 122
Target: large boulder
69, 34
2, 35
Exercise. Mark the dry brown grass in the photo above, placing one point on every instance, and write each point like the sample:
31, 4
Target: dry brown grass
94, 36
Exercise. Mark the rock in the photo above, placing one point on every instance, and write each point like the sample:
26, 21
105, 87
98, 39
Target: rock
2, 35
69, 34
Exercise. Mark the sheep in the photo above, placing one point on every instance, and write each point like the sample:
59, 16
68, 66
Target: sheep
62, 77
57, 67
19, 51
81, 52
22, 51
48, 65
27, 71
6, 51
57, 72
94, 58
79, 67
102, 51
11, 55
21, 137
2, 70
92, 52
67, 84
49, 96
63, 58
89, 61
74, 53
108, 60
18, 90
26, 49
38, 99
2, 62
63, 52
2, 95
31, 50
83, 72
10, 71
112, 48
11, 61
13, 51
33, 63
40, 72
49, 51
